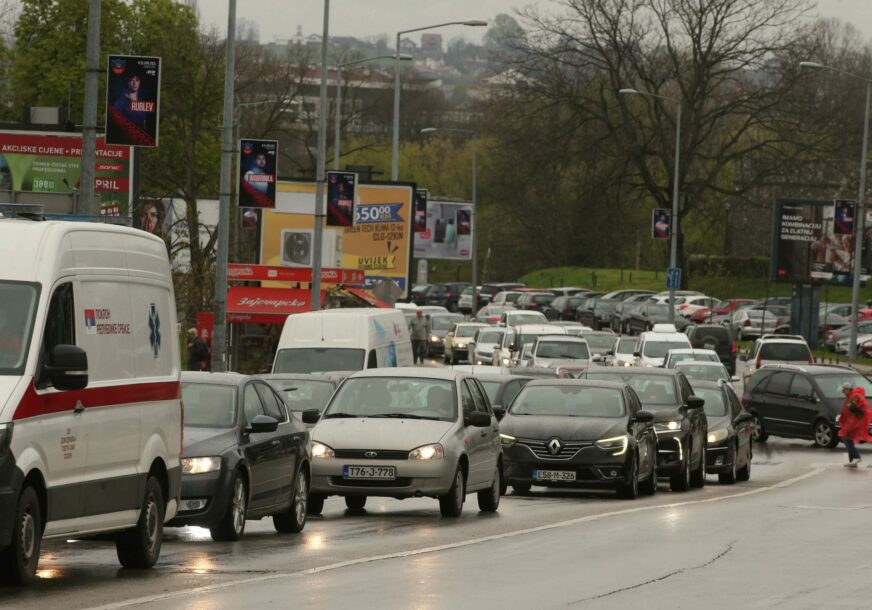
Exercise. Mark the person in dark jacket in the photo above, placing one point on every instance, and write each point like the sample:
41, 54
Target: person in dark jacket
198, 353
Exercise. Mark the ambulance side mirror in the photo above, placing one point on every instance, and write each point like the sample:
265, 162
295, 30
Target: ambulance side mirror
67, 368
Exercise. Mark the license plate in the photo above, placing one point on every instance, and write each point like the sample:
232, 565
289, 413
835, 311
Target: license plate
369, 473
553, 475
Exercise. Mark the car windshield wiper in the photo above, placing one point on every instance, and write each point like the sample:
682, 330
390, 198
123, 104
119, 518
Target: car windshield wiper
403, 416
332, 415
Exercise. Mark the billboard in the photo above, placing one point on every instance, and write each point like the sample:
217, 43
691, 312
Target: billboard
40, 162
448, 232
340, 198
843, 217
257, 173
808, 245
421, 197
661, 223
379, 243
133, 100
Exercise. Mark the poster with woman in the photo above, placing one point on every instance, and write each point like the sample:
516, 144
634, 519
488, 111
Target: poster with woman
257, 173
133, 100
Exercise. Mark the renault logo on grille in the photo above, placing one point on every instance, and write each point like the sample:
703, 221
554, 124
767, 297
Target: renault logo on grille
371, 454
554, 446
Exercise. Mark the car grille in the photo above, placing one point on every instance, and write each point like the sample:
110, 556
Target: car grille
380, 454
400, 482
540, 448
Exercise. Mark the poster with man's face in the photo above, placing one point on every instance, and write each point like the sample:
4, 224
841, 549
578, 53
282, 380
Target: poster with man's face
660, 223
133, 100
340, 198
257, 173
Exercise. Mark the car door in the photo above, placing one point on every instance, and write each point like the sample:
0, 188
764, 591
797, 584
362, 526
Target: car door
803, 403
475, 440
491, 434
288, 436
697, 419
743, 430
261, 450
775, 410
643, 432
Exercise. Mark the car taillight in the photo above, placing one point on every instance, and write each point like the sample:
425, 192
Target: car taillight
826, 327
747, 323
734, 349
447, 295
758, 362
494, 319
810, 359
533, 306
567, 310
182, 435
777, 322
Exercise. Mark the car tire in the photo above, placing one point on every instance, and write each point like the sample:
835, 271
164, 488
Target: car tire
451, 504
315, 505
232, 523
758, 432
355, 502
139, 546
293, 520
521, 490
744, 473
824, 434
489, 499
630, 490
681, 481
649, 486
729, 478
19, 560
697, 477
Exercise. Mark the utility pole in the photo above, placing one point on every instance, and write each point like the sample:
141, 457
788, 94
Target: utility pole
322, 162
89, 120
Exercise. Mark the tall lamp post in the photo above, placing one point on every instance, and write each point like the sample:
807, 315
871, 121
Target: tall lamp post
472, 228
395, 150
673, 250
322, 162
859, 217
338, 113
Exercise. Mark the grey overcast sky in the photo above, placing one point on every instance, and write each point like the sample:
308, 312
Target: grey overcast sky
277, 19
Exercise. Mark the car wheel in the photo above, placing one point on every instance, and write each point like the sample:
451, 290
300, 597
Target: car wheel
521, 490
293, 520
729, 478
758, 432
451, 504
681, 481
744, 473
697, 477
19, 560
649, 485
630, 490
825, 435
232, 523
489, 499
139, 546
315, 505
355, 502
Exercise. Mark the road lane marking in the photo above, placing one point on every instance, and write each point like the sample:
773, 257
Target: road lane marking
448, 546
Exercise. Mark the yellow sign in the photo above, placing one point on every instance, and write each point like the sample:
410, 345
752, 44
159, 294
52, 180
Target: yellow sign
380, 242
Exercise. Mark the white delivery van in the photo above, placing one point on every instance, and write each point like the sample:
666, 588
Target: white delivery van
516, 337
90, 403
350, 339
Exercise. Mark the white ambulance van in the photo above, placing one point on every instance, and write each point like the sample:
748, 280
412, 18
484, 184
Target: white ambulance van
350, 339
90, 402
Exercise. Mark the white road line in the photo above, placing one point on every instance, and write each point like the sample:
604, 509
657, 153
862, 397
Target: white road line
445, 547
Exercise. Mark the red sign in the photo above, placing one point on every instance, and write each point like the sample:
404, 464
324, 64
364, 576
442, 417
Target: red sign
266, 305
239, 272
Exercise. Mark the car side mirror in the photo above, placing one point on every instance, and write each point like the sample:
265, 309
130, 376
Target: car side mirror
644, 417
477, 419
263, 423
637, 354
311, 416
611, 352
743, 418
499, 411
597, 358
67, 367
734, 379
695, 402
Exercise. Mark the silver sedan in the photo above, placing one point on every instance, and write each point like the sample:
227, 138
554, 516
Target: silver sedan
408, 433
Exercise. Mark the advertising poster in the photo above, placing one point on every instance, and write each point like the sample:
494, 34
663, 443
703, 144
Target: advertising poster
661, 225
133, 100
806, 245
250, 218
40, 162
378, 244
843, 215
340, 199
448, 234
257, 173
421, 197
154, 216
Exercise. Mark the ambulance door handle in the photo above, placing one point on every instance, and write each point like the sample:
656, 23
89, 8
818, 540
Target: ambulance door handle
79, 408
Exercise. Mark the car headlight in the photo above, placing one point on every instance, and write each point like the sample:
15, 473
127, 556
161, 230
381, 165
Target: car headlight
508, 440
627, 363
673, 425
320, 450
461, 345
427, 452
505, 362
200, 465
618, 444
718, 435
434, 339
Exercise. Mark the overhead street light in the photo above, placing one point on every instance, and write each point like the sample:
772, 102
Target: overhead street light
472, 249
395, 148
860, 214
673, 250
338, 121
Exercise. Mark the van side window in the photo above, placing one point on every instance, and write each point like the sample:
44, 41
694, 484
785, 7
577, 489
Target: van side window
372, 363
60, 325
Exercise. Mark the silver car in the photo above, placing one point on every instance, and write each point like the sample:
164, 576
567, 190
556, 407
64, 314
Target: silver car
403, 433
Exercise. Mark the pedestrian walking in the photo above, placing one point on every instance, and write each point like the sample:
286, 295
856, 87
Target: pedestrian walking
420, 332
198, 353
854, 422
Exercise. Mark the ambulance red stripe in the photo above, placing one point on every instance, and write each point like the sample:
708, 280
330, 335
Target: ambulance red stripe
34, 404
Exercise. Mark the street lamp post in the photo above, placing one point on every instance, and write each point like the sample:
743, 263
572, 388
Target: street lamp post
338, 113
673, 249
472, 249
321, 168
859, 217
395, 149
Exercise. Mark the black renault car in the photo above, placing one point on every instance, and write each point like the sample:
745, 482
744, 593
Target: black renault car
728, 452
679, 420
587, 434
244, 456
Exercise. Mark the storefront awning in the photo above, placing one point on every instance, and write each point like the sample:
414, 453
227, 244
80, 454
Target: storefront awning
267, 305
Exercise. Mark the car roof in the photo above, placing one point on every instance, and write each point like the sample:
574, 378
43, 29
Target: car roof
632, 370
692, 350
214, 378
332, 376
473, 324
537, 328
653, 336
812, 369
591, 383
412, 372
498, 377
561, 338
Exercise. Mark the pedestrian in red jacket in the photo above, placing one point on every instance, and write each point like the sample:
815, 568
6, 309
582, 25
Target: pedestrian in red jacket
854, 422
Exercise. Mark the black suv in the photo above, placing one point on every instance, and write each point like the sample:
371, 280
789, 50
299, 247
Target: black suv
716, 338
799, 401
679, 420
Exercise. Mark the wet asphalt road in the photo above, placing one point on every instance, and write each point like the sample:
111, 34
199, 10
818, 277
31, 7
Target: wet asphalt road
787, 538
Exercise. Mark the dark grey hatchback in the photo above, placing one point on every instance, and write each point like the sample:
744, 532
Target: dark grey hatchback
244, 457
